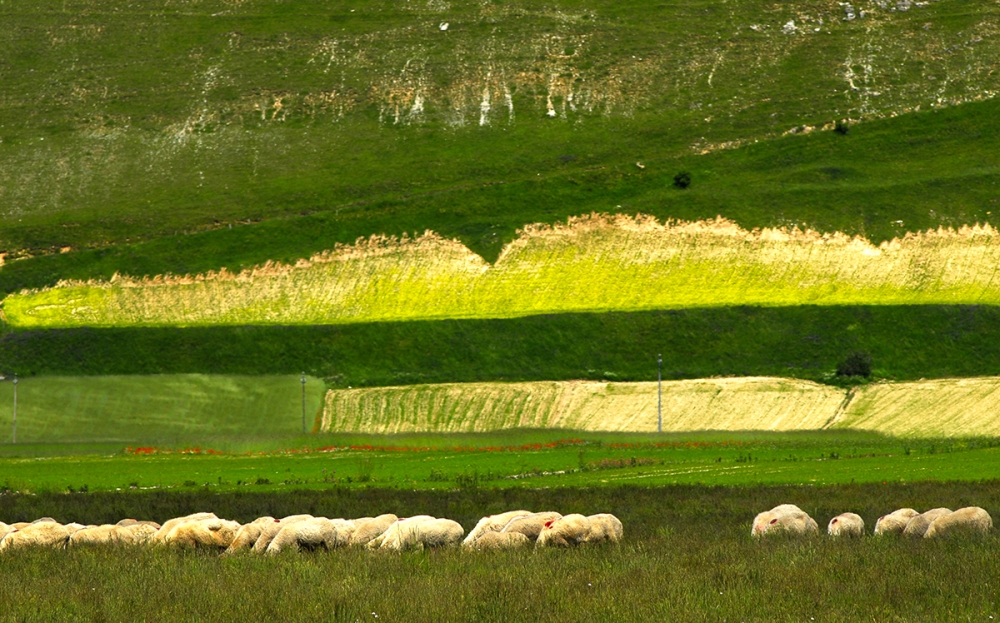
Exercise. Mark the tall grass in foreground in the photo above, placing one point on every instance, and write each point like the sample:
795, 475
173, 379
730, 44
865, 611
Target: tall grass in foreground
687, 556
593, 263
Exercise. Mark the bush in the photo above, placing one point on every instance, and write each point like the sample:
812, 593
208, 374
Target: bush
857, 364
682, 179
841, 128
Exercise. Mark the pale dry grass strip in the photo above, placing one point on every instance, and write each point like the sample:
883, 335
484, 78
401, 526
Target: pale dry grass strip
938, 408
755, 403
592, 263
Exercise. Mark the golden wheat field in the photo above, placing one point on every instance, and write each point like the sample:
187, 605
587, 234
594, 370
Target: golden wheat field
708, 404
593, 263
939, 408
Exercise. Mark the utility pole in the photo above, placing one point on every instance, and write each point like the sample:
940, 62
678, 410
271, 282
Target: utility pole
303, 403
659, 393
14, 436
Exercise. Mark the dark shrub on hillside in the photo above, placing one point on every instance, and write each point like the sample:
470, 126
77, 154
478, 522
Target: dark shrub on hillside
842, 128
682, 179
857, 364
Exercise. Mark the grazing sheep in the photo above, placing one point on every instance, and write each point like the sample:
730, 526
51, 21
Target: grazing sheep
101, 535
498, 540
968, 520
917, 526
846, 524
170, 524
74, 527
784, 519
531, 525
895, 522
393, 538
493, 523
425, 533
564, 532
366, 529
143, 531
312, 533
207, 533
248, 535
604, 527
44, 534
5, 530
271, 530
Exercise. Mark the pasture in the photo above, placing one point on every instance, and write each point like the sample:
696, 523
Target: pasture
687, 555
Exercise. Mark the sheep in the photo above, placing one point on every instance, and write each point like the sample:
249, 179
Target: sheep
44, 534
498, 540
846, 524
248, 535
271, 530
604, 527
531, 525
74, 527
5, 530
366, 529
563, 532
170, 524
207, 533
968, 520
143, 531
20, 524
312, 533
425, 533
895, 522
784, 519
917, 526
101, 535
392, 538
493, 523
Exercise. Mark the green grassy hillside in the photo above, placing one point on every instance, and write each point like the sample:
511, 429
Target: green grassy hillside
177, 409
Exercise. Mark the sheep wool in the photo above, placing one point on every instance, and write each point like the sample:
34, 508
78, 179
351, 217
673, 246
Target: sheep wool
100, 535
5, 529
566, 531
917, 526
247, 535
846, 524
207, 533
494, 523
366, 529
170, 524
498, 540
313, 533
45, 534
531, 525
895, 522
968, 520
73, 527
271, 530
400, 534
604, 527
784, 519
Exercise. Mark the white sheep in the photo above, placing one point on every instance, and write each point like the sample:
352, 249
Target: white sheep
248, 534
206, 533
394, 538
895, 522
161, 534
493, 523
101, 535
784, 519
604, 527
566, 531
44, 534
846, 524
968, 520
531, 525
312, 533
366, 528
498, 540
917, 526
271, 530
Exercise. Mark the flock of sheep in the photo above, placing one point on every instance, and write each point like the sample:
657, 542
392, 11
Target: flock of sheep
790, 519
271, 536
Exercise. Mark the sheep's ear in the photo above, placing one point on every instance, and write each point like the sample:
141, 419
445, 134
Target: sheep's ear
834, 520
774, 521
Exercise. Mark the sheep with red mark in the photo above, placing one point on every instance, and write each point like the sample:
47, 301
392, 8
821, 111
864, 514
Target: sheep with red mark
567, 531
895, 522
493, 523
217, 534
366, 529
785, 519
968, 520
531, 525
312, 533
917, 526
846, 525
44, 534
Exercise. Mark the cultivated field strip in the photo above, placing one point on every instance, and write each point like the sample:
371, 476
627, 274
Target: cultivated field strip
939, 408
710, 404
594, 263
